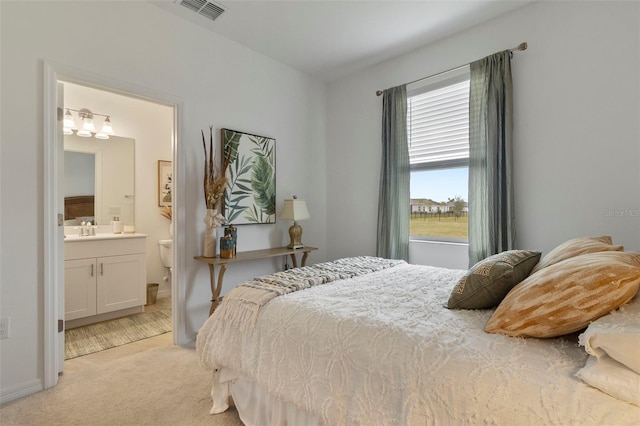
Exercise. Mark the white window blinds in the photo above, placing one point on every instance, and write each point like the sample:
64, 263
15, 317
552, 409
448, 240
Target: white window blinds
438, 127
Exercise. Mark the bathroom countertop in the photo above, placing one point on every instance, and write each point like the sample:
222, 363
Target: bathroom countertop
101, 236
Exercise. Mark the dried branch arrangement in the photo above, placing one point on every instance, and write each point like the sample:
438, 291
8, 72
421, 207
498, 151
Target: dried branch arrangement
214, 183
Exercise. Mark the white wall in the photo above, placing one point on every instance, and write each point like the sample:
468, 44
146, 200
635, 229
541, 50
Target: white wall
576, 138
439, 253
219, 82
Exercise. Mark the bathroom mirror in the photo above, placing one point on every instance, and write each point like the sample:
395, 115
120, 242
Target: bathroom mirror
99, 179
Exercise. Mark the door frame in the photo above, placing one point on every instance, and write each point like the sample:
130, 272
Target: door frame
53, 257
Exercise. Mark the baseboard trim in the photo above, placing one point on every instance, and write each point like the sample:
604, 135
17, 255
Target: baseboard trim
79, 322
21, 390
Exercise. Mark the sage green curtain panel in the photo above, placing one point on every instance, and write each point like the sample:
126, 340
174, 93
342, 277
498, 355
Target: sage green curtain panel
393, 201
491, 213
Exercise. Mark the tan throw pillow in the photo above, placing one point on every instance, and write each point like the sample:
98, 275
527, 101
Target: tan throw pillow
576, 247
567, 296
488, 281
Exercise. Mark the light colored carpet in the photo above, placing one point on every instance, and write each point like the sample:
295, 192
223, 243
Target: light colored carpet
109, 334
163, 385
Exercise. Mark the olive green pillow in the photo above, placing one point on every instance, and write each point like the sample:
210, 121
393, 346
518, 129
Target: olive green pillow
566, 296
488, 281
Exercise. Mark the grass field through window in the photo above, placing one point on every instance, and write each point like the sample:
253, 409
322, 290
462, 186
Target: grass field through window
443, 226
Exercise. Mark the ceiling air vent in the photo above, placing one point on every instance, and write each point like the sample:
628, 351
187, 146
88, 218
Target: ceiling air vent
203, 7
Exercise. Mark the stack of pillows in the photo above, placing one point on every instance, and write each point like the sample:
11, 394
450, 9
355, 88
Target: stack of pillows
613, 343
575, 284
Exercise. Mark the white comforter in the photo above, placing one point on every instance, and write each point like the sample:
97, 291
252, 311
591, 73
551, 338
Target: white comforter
381, 349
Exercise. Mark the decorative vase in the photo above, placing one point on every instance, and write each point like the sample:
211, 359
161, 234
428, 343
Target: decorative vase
211, 221
226, 247
233, 232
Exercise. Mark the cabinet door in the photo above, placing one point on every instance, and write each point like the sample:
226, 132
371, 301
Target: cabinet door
121, 282
79, 288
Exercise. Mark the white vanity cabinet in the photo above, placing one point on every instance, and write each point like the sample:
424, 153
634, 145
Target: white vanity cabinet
80, 288
104, 275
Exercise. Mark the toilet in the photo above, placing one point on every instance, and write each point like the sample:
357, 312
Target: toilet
166, 256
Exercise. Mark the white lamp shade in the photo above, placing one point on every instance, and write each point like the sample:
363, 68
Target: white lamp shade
83, 133
106, 127
295, 210
88, 125
69, 122
101, 136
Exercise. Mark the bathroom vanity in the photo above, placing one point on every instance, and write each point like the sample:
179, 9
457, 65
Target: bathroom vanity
105, 277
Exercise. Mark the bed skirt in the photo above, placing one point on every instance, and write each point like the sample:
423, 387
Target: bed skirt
255, 405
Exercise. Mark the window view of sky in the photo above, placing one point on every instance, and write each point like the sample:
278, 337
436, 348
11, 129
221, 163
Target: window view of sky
440, 185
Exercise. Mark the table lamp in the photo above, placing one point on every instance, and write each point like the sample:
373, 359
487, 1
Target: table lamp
295, 210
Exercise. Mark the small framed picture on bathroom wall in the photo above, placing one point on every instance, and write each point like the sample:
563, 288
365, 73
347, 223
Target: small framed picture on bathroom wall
165, 183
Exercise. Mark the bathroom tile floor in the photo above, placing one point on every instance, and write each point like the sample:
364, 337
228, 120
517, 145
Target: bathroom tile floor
164, 303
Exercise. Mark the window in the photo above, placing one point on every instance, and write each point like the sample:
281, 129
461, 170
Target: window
438, 134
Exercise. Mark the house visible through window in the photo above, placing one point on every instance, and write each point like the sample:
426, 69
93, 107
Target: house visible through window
438, 134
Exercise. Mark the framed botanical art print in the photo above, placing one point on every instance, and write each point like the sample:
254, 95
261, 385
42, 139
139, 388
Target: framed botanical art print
250, 196
165, 182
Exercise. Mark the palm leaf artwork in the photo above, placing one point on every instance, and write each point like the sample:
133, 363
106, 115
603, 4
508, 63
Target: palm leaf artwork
250, 196
264, 188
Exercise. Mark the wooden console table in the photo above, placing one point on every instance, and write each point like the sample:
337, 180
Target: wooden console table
244, 256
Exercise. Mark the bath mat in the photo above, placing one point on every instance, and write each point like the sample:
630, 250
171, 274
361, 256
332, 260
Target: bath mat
109, 334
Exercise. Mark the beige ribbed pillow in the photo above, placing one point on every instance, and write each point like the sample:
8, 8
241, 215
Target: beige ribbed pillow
576, 247
567, 296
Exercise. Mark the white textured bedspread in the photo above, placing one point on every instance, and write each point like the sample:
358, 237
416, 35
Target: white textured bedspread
382, 349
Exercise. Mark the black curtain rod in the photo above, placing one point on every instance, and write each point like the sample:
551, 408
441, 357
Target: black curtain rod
521, 46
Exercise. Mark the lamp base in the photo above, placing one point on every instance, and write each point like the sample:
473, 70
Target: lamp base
295, 234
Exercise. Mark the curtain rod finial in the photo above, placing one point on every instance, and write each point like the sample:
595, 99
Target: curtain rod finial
522, 46
378, 92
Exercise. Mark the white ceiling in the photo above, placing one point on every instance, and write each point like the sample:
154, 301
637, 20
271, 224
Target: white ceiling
332, 38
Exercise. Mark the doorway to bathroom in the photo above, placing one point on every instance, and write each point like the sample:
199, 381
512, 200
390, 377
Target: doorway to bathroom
55, 75
122, 176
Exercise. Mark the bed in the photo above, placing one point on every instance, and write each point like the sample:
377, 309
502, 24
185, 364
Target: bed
78, 208
385, 347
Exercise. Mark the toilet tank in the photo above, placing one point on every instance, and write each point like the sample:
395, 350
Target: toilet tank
166, 252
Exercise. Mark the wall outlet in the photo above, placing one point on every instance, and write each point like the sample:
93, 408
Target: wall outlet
4, 328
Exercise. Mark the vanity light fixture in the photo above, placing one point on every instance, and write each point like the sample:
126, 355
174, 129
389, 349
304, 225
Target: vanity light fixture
88, 128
